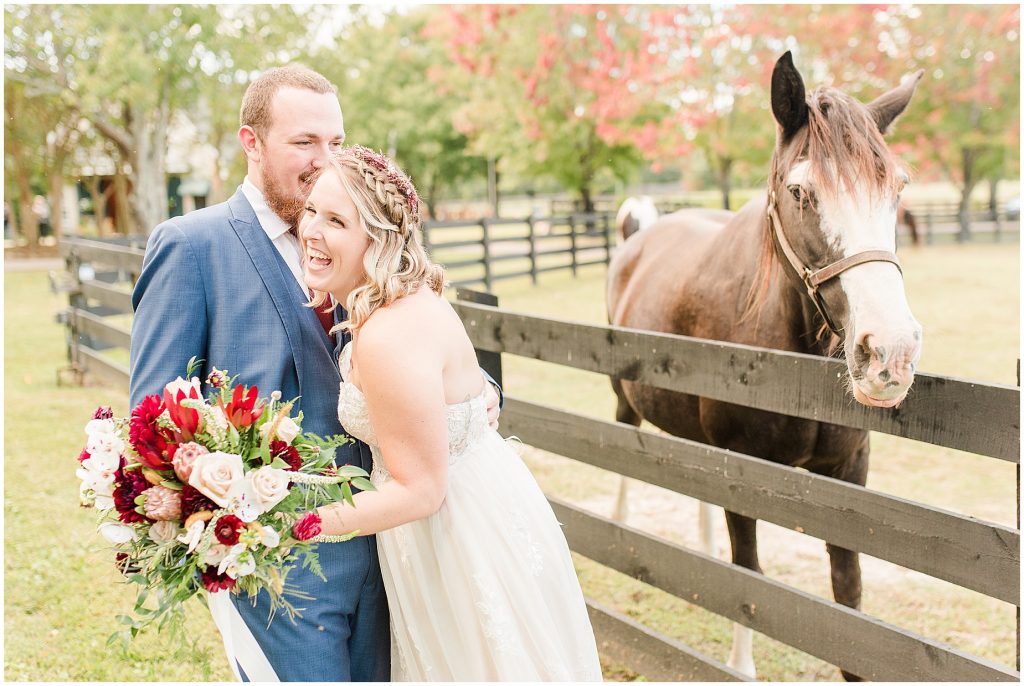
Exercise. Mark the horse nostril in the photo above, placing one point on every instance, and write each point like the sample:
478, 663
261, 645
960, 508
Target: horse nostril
884, 375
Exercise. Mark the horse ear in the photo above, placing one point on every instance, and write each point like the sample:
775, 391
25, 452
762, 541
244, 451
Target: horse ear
789, 99
886, 107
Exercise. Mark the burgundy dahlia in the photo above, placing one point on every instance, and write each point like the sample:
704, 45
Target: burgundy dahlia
103, 413
214, 582
286, 452
130, 483
228, 528
146, 436
307, 527
193, 501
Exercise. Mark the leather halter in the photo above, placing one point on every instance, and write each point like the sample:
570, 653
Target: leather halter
813, 278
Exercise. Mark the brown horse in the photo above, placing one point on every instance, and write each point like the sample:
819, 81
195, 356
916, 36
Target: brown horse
815, 253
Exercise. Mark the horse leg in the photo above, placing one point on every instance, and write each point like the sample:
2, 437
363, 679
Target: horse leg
743, 535
708, 544
845, 564
624, 413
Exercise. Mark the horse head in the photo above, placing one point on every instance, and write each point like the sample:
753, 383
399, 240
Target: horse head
834, 188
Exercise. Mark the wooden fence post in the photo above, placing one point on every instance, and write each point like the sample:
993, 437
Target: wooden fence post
533, 248
486, 241
929, 229
607, 239
572, 241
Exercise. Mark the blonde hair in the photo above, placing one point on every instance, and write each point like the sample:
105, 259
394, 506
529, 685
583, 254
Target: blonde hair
395, 264
256, 103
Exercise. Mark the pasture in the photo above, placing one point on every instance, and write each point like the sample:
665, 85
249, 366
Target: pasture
62, 590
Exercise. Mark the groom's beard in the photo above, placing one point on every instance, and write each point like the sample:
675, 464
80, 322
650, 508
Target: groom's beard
287, 206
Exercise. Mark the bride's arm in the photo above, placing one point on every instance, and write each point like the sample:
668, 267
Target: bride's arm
402, 382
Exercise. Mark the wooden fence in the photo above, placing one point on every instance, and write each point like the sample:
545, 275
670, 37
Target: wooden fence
477, 252
979, 418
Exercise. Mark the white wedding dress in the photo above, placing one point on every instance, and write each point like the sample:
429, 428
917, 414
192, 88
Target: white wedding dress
483, 590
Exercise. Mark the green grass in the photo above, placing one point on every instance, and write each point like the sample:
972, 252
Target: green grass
62, 592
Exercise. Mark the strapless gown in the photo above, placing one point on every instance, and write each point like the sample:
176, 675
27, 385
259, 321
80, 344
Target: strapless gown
484, 589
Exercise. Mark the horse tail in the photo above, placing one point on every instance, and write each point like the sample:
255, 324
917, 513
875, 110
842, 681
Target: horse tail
635, 214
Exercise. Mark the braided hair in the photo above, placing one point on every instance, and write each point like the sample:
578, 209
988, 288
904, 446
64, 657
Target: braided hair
396, 264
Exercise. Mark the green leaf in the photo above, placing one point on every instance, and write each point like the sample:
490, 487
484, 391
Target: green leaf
173, 485
346, 493
363, 484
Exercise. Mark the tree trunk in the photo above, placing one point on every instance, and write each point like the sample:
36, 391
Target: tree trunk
725, 179
122, 220
968, 157
149, 192
993, 203
99, 204
56, 180
29, 220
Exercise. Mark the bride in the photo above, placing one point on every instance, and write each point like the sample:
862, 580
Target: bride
479, 579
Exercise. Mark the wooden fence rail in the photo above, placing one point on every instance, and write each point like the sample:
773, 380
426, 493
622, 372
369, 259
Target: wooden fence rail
981, 418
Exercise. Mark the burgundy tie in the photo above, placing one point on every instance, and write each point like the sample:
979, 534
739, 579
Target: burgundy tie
326, 318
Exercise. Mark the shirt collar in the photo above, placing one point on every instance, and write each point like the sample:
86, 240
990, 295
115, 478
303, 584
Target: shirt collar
274, 226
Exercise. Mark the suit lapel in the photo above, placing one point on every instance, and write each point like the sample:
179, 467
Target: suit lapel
266, 260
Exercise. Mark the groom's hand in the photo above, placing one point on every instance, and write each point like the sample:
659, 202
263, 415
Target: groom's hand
492, 405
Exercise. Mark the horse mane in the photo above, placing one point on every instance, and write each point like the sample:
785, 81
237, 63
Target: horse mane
843, 145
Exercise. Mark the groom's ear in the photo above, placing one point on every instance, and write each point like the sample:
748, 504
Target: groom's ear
250, 143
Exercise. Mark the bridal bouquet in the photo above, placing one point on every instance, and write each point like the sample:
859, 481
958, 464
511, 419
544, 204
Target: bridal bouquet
211, 495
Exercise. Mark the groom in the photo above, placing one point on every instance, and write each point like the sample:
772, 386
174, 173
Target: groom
225, 284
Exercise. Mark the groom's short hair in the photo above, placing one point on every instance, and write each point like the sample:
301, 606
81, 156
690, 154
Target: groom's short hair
256, 103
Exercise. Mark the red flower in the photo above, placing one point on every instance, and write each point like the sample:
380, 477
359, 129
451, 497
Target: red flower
84, 455
287, 453
216, 582
148, 438
186, 418
130, 483
193, 501
103, 413
307, 527
228, 528
242, 411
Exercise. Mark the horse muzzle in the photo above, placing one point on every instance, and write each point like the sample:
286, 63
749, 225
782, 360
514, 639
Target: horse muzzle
882, 367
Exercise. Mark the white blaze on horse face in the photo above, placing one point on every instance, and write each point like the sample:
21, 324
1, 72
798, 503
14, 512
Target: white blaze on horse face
883, 340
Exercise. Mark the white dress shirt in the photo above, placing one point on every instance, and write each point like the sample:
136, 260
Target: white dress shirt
277, 230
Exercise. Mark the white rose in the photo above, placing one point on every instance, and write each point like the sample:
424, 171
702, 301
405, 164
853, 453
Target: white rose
268, 486
287, 430
269, 537
218, 476
99, 426
117, 533
163, 531
186, 387
192, 536
216, 553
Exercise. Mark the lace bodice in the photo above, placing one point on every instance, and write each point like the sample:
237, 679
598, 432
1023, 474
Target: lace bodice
467, 421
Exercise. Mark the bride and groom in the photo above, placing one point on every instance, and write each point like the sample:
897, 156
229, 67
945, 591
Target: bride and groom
458, 539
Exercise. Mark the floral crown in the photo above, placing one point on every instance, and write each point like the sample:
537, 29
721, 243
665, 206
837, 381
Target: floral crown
393, 174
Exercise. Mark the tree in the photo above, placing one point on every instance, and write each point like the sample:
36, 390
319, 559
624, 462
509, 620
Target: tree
573, 82
129, 69
397, 99
966, 118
